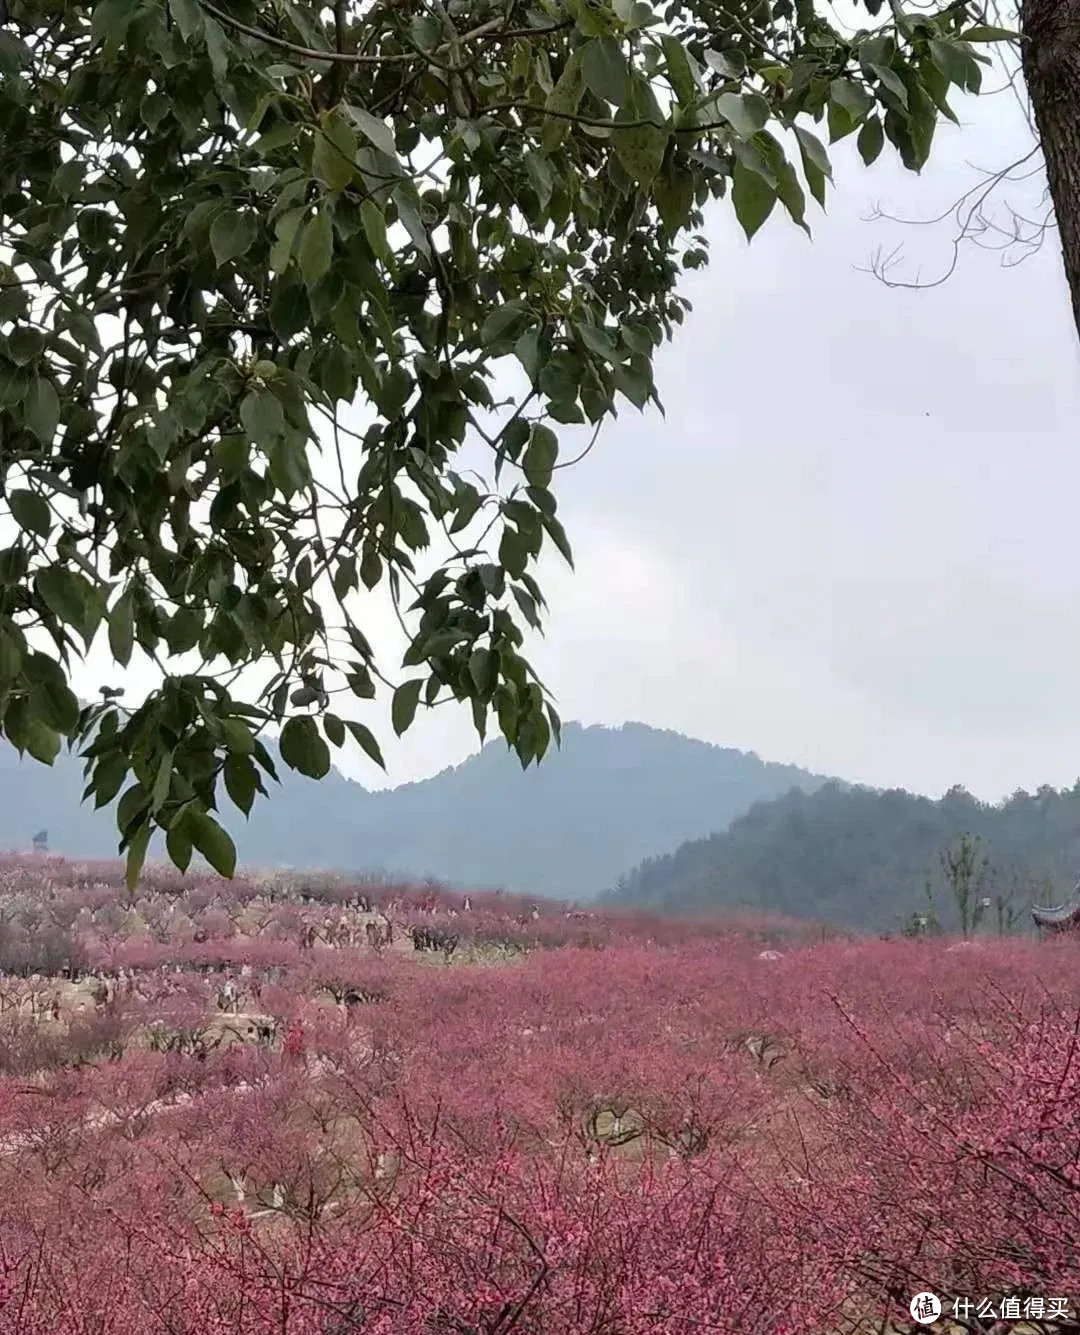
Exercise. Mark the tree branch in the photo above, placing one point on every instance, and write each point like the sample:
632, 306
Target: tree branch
489, 29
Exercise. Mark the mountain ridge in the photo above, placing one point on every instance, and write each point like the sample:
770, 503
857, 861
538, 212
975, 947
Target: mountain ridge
861, 857
565, 828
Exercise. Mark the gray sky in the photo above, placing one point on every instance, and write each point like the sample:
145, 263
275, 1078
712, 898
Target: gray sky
850, 544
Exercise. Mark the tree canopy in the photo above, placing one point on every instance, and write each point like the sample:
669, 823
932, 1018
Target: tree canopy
220, 224
865, 858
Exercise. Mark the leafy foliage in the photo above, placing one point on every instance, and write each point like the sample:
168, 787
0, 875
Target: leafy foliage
221, 222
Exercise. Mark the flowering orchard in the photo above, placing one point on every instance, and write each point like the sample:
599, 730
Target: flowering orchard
617, 1127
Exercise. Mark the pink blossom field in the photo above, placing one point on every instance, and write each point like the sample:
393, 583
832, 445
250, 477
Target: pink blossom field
233, 1109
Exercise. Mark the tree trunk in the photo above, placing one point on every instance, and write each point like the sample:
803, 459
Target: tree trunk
1051, 62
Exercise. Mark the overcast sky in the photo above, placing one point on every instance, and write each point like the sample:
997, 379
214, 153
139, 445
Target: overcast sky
852, 542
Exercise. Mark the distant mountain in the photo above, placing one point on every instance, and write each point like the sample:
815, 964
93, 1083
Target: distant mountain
609, 798
860, 857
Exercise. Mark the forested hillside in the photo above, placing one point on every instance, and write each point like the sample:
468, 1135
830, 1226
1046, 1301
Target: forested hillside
861, 857
608, 798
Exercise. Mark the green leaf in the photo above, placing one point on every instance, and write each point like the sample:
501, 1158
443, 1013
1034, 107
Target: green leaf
56, 703
557, 534
302, 748
484, 670
790, 193
815, 177
426, 31
752, 198
162, 782
263, 417
635, 382
178, 846
218, 47
24, 344
681, 71
565, 97
640, 152
982, 32
71, 598
527, 351
237, 736
374, 130
814, 151
728, 64
184, 629
921, 126
597, 340
952, 60
232, 235
316, 247
334, 157
540, 457
262, 755
110, 22
891, 80
289, 470
370, 568
901, 131
279, 134
760, 160
527, 604
334, 729
366, 741
840, 122
541, 175
290, 309
503, 323
30, 511
513, 552
41, 410
852, 98
746, 113
403, 706
337, 374
41, 741
122, 629
408, 207
469, 501
871, 140
212, 842
241, 781
109, 775
136, 856
285, 230
131, 809
605, 70
673, 195
373, 222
